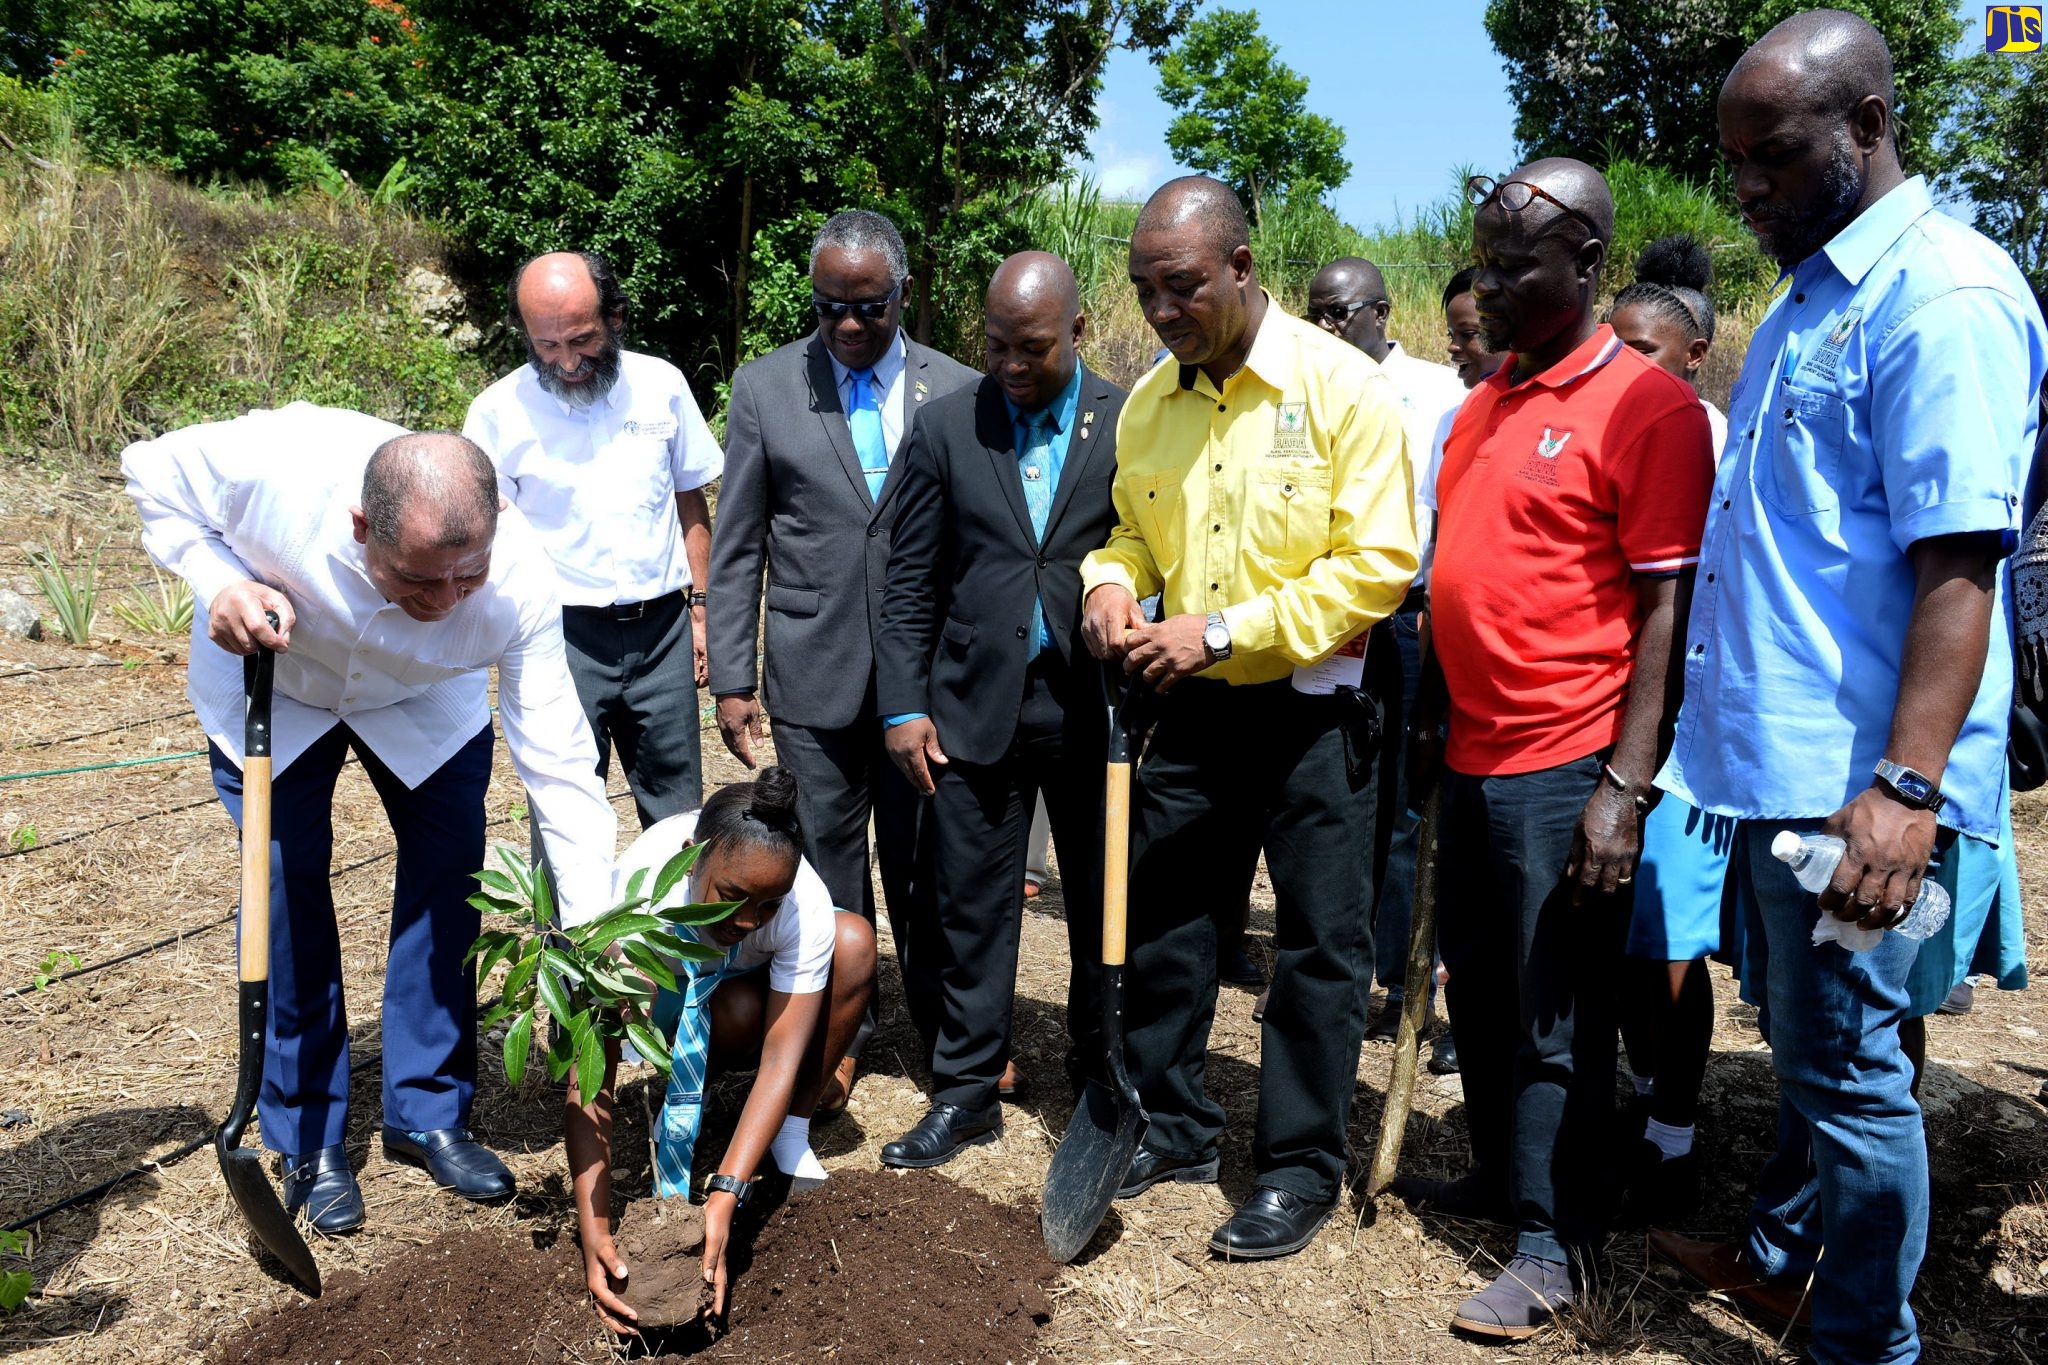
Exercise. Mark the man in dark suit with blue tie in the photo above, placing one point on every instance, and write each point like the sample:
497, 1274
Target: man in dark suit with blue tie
814, 438
987, 691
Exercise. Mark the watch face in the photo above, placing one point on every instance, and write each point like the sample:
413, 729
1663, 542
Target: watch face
1913, 786
1216, 637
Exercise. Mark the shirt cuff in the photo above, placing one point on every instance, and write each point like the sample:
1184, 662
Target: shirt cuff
212, 568
891, 722
1095, 575
1994, 515
1252, 624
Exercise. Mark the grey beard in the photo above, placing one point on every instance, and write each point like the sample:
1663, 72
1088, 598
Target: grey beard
604, 373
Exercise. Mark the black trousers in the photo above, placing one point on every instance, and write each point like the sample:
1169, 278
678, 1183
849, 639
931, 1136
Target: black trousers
1229, 771
637, 682
1532, 997
844, 776
980, 825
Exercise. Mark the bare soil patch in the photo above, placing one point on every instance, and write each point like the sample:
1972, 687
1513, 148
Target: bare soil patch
662, 1241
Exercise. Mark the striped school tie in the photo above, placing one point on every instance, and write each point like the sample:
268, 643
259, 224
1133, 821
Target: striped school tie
682, 1106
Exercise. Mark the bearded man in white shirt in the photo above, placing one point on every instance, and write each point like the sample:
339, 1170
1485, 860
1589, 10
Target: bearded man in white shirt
398, 580
605, 452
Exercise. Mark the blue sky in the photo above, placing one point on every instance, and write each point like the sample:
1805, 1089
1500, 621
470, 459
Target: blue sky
1415, 85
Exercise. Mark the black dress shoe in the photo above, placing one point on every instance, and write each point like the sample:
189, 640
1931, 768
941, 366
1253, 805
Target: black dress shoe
1271, 1223
1386, 1025
457, 1161
322, 1186
941, 1133
1443, 1055
1148, 1168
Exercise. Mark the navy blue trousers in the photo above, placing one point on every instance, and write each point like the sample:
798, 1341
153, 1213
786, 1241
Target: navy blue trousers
429, 991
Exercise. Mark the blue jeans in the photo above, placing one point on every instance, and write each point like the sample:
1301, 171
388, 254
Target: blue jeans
1390, 925
1850, 1171
429, 1004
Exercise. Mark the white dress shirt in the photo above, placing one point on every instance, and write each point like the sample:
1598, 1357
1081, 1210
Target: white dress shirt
598, 483
1717, 422
889, 381
268, 497
1428, 392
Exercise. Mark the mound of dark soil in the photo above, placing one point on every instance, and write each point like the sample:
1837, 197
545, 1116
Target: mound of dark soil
876, 1267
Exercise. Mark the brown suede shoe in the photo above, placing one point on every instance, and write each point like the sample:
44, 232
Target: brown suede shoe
838, 1089
1012, 1087
1725, 1270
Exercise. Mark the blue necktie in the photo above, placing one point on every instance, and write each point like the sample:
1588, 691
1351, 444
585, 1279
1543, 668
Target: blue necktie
865, 419
682, 1105
1036, 465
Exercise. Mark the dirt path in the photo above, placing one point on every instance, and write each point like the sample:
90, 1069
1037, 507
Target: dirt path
123, 1065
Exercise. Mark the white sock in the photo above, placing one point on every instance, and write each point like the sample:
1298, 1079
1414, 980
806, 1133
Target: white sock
790, 1150
1645, 1085
1672, 1142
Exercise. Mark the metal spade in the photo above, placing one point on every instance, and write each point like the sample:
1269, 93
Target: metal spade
247, 1183
1108, 1123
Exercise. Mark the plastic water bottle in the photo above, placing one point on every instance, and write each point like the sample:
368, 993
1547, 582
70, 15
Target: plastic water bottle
1813, 858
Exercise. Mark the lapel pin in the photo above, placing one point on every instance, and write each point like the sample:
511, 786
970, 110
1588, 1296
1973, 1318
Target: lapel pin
1088, 416
921, 390
1084, 430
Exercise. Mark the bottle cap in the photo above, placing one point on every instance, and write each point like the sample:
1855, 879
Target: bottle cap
1785, 846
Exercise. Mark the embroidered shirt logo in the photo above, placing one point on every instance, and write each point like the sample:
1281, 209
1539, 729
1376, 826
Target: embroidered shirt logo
660, 428
1292, 418
1827, 356
1550, 445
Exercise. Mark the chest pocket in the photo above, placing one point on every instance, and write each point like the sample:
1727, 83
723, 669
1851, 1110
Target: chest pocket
1287, 514
1155, 505
1799, 464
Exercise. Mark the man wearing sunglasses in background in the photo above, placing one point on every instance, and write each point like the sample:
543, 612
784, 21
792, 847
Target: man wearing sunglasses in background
1348, 298
814, 431
1571, 497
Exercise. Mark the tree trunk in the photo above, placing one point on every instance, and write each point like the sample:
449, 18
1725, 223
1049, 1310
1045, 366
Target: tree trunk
739, 274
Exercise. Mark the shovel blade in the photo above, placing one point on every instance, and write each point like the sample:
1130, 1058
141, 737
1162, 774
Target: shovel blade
1090, 1164
254, 1195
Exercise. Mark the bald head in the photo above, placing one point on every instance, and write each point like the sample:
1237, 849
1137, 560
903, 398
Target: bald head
572, 312
1196, 207
1031, 279
1825, 61
1580, 195
1348, 299
430, 489
1033, 329
1538, 252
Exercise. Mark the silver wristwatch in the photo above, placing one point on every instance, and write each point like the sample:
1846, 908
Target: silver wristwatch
1216, 636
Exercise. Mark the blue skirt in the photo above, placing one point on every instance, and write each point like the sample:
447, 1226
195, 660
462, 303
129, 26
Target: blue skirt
1681, 883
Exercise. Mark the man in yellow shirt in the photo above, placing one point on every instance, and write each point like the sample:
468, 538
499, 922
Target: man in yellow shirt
1263, 490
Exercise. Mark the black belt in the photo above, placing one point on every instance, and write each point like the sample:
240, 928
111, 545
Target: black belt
630, 611
1416, 600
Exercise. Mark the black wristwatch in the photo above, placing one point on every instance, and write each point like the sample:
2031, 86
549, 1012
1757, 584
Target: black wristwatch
741, 1190
696, 599
1912, 788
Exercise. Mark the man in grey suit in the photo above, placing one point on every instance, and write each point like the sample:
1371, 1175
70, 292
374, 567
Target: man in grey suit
813, 431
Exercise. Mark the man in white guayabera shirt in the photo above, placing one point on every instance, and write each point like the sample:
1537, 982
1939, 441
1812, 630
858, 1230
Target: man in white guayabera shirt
397, 579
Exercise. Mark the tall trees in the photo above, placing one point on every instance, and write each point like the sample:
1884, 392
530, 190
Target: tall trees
2000, 157
974, 105
1243, 113
1638, 78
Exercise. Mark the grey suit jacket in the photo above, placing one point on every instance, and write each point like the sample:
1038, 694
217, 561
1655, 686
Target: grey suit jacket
794, 503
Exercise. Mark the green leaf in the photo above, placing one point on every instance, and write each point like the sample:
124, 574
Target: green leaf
652, 963
674, 870
561, 1054
518, 980
518, 1043
494, 1015
487, 940
694, 915
689, 950
569, 967
543, 901
522, 874
14, 1288
552, 992
495, 905
589, 1063
624, 926
635, 882
648, 1042
498, 881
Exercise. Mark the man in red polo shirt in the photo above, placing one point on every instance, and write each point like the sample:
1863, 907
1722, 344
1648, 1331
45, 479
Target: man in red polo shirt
1571, 499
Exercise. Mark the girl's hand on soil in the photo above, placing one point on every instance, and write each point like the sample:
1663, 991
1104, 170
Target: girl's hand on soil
604, 1270
718, 1212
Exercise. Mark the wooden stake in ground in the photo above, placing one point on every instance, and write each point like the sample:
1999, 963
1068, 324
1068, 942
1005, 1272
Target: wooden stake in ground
1415, 1004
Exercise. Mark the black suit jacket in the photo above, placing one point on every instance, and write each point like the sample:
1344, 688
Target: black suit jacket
793, 501
965, 568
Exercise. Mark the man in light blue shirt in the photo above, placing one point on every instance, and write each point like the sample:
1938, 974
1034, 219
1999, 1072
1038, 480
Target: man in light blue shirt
1843, 672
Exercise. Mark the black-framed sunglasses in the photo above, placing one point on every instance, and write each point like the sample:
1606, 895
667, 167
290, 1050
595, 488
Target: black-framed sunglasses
1516, 195
1340, 313
871, 310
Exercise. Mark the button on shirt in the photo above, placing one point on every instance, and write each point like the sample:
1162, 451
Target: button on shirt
1282, 499
1558, 493
598, 483
267, 497
1886, 398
